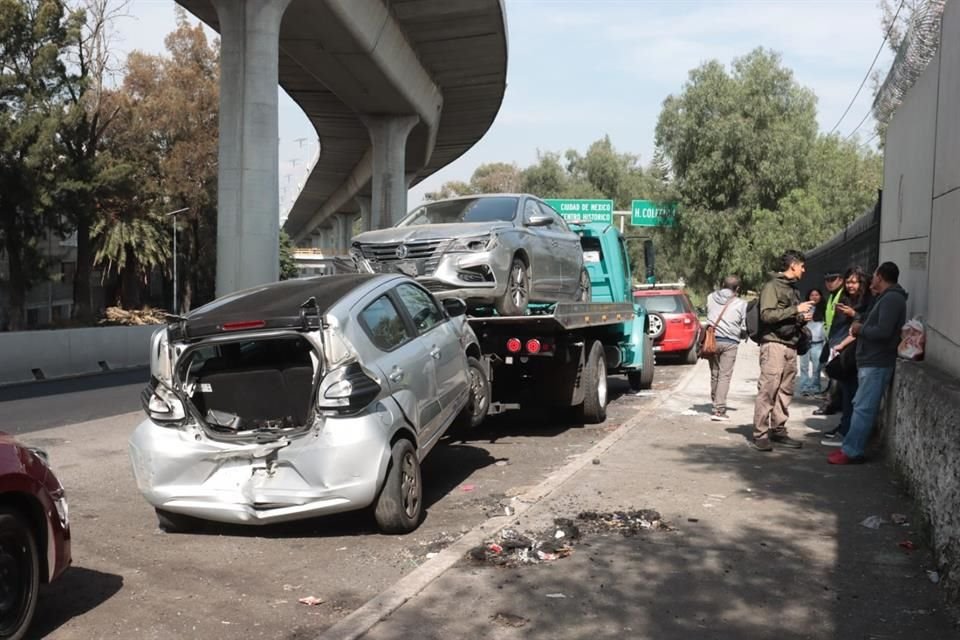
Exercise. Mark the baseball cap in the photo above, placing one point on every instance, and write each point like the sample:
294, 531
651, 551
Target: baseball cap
832, 275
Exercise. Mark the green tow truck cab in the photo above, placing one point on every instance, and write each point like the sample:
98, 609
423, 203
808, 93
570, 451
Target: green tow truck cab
559, 356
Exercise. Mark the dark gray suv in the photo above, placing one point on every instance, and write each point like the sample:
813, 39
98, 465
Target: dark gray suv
505, 250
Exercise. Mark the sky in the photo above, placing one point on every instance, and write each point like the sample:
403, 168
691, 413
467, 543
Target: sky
580, 69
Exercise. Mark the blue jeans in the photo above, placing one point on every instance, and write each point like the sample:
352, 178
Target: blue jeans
873, 382
848, 391
811, 360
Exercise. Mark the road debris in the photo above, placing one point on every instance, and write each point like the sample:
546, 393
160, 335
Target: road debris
291, 587
509, 619
873, 522
898, 518
933, 576
468, 487
908, 545
627, 523
556, 596
311, 601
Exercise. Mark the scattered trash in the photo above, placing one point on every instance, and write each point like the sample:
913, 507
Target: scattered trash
509, 619
627, 523
908, 545
693, 520
873, 522
596, 461
508, 510
691, 412
898, 518
556, 595
432, 554
934, 576
290, 587
641, 394
468, 487
311, 601
502, 463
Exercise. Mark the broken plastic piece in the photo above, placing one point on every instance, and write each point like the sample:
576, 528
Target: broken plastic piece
311, 601
898, 518
908, 545
873, 522
556, 595
933, 576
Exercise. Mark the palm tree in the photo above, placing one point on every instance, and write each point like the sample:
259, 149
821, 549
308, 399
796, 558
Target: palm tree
130, 244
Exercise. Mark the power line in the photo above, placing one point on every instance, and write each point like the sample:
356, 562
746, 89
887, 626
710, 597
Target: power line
851, 134
867, 74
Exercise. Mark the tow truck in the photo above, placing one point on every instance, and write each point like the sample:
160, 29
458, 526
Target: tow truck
560, 355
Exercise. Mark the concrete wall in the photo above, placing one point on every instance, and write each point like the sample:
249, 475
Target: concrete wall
920, 230
922, 437
72, 351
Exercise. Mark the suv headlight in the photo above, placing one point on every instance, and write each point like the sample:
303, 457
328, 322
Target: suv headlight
474, 244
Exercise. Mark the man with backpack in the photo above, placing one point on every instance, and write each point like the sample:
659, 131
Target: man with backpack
781, 316
726, 313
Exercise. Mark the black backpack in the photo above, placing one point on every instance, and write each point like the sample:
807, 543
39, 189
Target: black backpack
753, 320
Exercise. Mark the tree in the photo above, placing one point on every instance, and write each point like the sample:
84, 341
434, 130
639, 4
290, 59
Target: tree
737, 144
83, 181
288, 266
33, 78
167, 129
494, 177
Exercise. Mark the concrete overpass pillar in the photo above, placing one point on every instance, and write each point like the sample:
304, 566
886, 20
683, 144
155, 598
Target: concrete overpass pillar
248, 210
388, 135
365, 205
345, 231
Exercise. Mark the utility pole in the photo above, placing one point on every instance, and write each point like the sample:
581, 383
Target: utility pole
173, 216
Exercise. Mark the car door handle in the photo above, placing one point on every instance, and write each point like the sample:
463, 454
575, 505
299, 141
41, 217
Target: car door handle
396, 376
435, 353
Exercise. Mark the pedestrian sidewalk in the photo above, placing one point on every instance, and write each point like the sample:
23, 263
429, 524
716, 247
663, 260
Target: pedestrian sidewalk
760, 545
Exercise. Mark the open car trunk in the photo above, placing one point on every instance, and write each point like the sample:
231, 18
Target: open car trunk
252, 389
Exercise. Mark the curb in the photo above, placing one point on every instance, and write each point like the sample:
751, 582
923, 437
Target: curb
358, 623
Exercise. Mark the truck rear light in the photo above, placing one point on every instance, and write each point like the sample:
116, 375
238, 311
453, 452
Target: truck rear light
514, 345
533, 346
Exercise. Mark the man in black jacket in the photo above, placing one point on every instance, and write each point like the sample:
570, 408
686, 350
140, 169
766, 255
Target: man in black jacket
877, 339
782, 317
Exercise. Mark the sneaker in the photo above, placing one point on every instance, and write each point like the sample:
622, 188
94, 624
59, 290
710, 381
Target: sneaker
823, 411
786, 441
839, 457
761, 444
831, 442
833, 434
720, 416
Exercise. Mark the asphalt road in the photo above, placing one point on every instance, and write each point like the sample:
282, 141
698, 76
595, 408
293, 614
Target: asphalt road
130, 580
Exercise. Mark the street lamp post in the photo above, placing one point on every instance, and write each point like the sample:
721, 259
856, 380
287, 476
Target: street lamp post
173, 216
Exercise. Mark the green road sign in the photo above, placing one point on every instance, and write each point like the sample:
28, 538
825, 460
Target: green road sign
647, 213
584, 210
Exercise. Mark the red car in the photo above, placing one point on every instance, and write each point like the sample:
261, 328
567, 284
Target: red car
34, 533
674, 325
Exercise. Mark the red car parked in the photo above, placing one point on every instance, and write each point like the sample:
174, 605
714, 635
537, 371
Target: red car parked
34, 533
674, 325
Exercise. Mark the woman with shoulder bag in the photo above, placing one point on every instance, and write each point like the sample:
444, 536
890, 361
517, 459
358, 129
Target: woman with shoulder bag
726, 322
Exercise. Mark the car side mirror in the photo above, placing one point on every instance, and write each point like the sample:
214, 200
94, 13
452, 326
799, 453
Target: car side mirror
454, 307
539, 221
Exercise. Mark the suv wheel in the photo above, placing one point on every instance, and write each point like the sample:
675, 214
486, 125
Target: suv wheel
400, 504
514, 301
657, 326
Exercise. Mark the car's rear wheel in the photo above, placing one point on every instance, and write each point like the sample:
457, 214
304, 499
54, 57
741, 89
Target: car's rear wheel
19, 574
399, 507
478, 403
514, 302
584, 288
176, 522
594, 407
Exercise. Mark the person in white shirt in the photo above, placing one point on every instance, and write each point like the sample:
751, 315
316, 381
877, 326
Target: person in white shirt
810, 365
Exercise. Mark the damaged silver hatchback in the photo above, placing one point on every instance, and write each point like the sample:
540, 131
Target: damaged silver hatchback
303, 398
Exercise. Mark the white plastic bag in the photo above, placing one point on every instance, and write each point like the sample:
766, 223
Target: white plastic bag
912, 340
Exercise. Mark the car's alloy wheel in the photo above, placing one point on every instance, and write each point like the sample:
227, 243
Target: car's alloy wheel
657, 326
517, 296
399, 507
478, 403
19, 574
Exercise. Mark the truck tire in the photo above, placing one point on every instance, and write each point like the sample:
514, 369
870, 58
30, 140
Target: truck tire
478, 403
517, 296
643, 379
594, 383
399, 506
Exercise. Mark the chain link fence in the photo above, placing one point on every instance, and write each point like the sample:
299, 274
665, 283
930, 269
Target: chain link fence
856, 246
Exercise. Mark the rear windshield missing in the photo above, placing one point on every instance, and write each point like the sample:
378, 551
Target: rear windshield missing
502, 209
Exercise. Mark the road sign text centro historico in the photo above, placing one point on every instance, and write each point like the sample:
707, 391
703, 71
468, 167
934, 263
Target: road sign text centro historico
583, 210
647, 213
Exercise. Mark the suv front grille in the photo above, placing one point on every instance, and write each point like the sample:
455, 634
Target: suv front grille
425, 253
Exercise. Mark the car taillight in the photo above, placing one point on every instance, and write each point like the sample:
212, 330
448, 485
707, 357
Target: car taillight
347, 390
161, 404
533, 346
687, 320
514, 345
